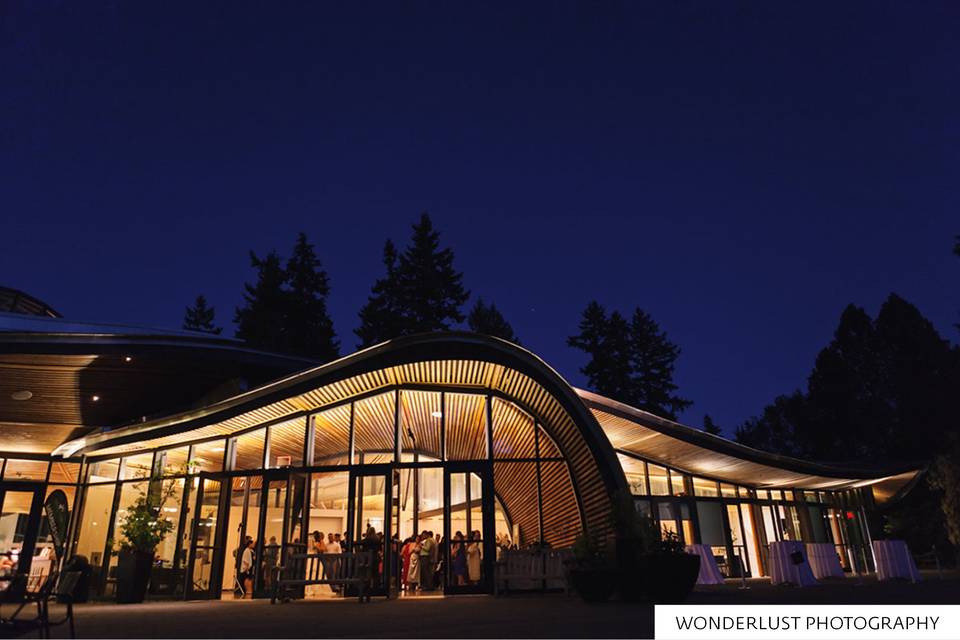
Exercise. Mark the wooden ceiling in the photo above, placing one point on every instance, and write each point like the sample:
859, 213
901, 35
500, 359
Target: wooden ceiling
54, 388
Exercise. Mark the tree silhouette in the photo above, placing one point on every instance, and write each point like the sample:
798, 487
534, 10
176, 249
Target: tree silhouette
710, 426
285, 310
200, 317
631, 362
309, 329
420, 293
487, 319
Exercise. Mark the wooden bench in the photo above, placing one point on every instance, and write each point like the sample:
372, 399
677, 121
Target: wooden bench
305, 569
525, 570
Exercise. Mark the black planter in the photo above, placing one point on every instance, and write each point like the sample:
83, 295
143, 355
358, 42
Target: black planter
133, 575
669, 578
594, 585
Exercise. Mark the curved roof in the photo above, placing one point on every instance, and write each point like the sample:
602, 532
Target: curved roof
452, 361
633, 431
16, 301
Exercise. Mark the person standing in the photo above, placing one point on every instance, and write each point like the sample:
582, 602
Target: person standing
427, 547
413, 573
458, 560
247, 568
474, 556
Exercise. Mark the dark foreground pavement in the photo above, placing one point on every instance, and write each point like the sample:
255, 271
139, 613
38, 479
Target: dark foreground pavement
527, 616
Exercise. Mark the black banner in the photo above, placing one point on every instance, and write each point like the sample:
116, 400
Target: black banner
57, 513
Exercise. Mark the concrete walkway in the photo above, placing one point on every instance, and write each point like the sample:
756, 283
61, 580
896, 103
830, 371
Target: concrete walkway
518, 616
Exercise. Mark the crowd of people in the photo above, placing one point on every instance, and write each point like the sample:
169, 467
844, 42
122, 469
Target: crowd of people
422, 557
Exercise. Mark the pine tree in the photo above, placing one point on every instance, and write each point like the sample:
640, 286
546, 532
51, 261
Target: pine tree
200, 317
652, 361
487, 319
606, 341
261, 321
308, 326
710, 426
421, 292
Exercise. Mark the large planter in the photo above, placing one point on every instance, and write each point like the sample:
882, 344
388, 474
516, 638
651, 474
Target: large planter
594, 585
133, 575
669, 578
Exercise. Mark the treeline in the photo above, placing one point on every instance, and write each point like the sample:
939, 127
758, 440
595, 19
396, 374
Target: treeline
285, 311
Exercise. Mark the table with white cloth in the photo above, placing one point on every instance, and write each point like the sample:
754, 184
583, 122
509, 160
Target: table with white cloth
824, 560
894, 560
782, 568
709, 572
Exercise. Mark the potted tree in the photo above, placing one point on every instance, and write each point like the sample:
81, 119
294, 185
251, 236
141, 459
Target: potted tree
652, 563
142, 529
589, 572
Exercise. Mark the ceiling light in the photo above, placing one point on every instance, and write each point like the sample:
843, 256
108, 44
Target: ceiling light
217, 449
437, 414
23, 394
95, 398
127, 358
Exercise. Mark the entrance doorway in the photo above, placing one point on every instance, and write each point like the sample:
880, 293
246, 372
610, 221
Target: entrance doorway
21, 505
470, 550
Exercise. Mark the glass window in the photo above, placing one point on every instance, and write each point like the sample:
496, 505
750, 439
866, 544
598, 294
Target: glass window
25, 470
561, 516
548, 448
705, 488
247, 450
129, 493
667, 512
45, 540
676, 481
420, 420
710, 516
512, 431
331, 436
374, 425
287, 441
103, 470
636, 476
95, 522
658, 480
776, 494
466, 425
171, 462
728, 490
138, 466
170, 511
763, 494
810, 496
64, 472
516, 485
207, 456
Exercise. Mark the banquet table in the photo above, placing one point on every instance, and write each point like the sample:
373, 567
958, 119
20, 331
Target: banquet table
894, 560
824, 560
783, 570
709, 572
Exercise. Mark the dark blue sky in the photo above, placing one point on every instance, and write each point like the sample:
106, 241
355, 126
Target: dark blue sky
740, 170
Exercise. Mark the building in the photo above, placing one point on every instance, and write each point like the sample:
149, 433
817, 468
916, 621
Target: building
443, 432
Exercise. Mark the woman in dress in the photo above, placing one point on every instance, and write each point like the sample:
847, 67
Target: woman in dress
474, 556
413, 573
247, 568
458, 560
405, 562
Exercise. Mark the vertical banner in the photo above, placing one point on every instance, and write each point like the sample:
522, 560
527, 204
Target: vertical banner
57, 513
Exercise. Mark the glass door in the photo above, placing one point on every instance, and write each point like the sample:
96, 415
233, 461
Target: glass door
206, 554
369, 527
468, 548
19, 526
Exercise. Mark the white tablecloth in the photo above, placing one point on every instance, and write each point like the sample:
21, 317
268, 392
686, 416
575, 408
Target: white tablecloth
781, 567
824, 560
709, 572
894, 560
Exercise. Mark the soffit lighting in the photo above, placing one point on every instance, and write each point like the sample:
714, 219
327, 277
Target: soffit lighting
23, 394
127, 358
95, 398
436, 414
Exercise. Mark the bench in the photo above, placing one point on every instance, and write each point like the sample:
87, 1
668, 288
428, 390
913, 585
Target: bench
335, 569
525, 570
62, 586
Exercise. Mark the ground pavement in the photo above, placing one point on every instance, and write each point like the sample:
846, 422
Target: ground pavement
516, 616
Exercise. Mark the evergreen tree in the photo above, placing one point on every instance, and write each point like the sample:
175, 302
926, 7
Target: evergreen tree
631, 362
200, 317
710, 426
309, 329
421, 292
652, 361
487, 319
380, 318
261, 321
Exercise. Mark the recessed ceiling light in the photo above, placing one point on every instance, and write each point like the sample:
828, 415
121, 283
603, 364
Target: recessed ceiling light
95, 398
127, 358
24, 394
437, 414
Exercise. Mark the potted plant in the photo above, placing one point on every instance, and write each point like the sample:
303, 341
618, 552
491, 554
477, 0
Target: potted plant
652, 563
142, 529
589, 572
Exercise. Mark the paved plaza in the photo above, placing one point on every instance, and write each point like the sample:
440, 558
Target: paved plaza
519, 616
